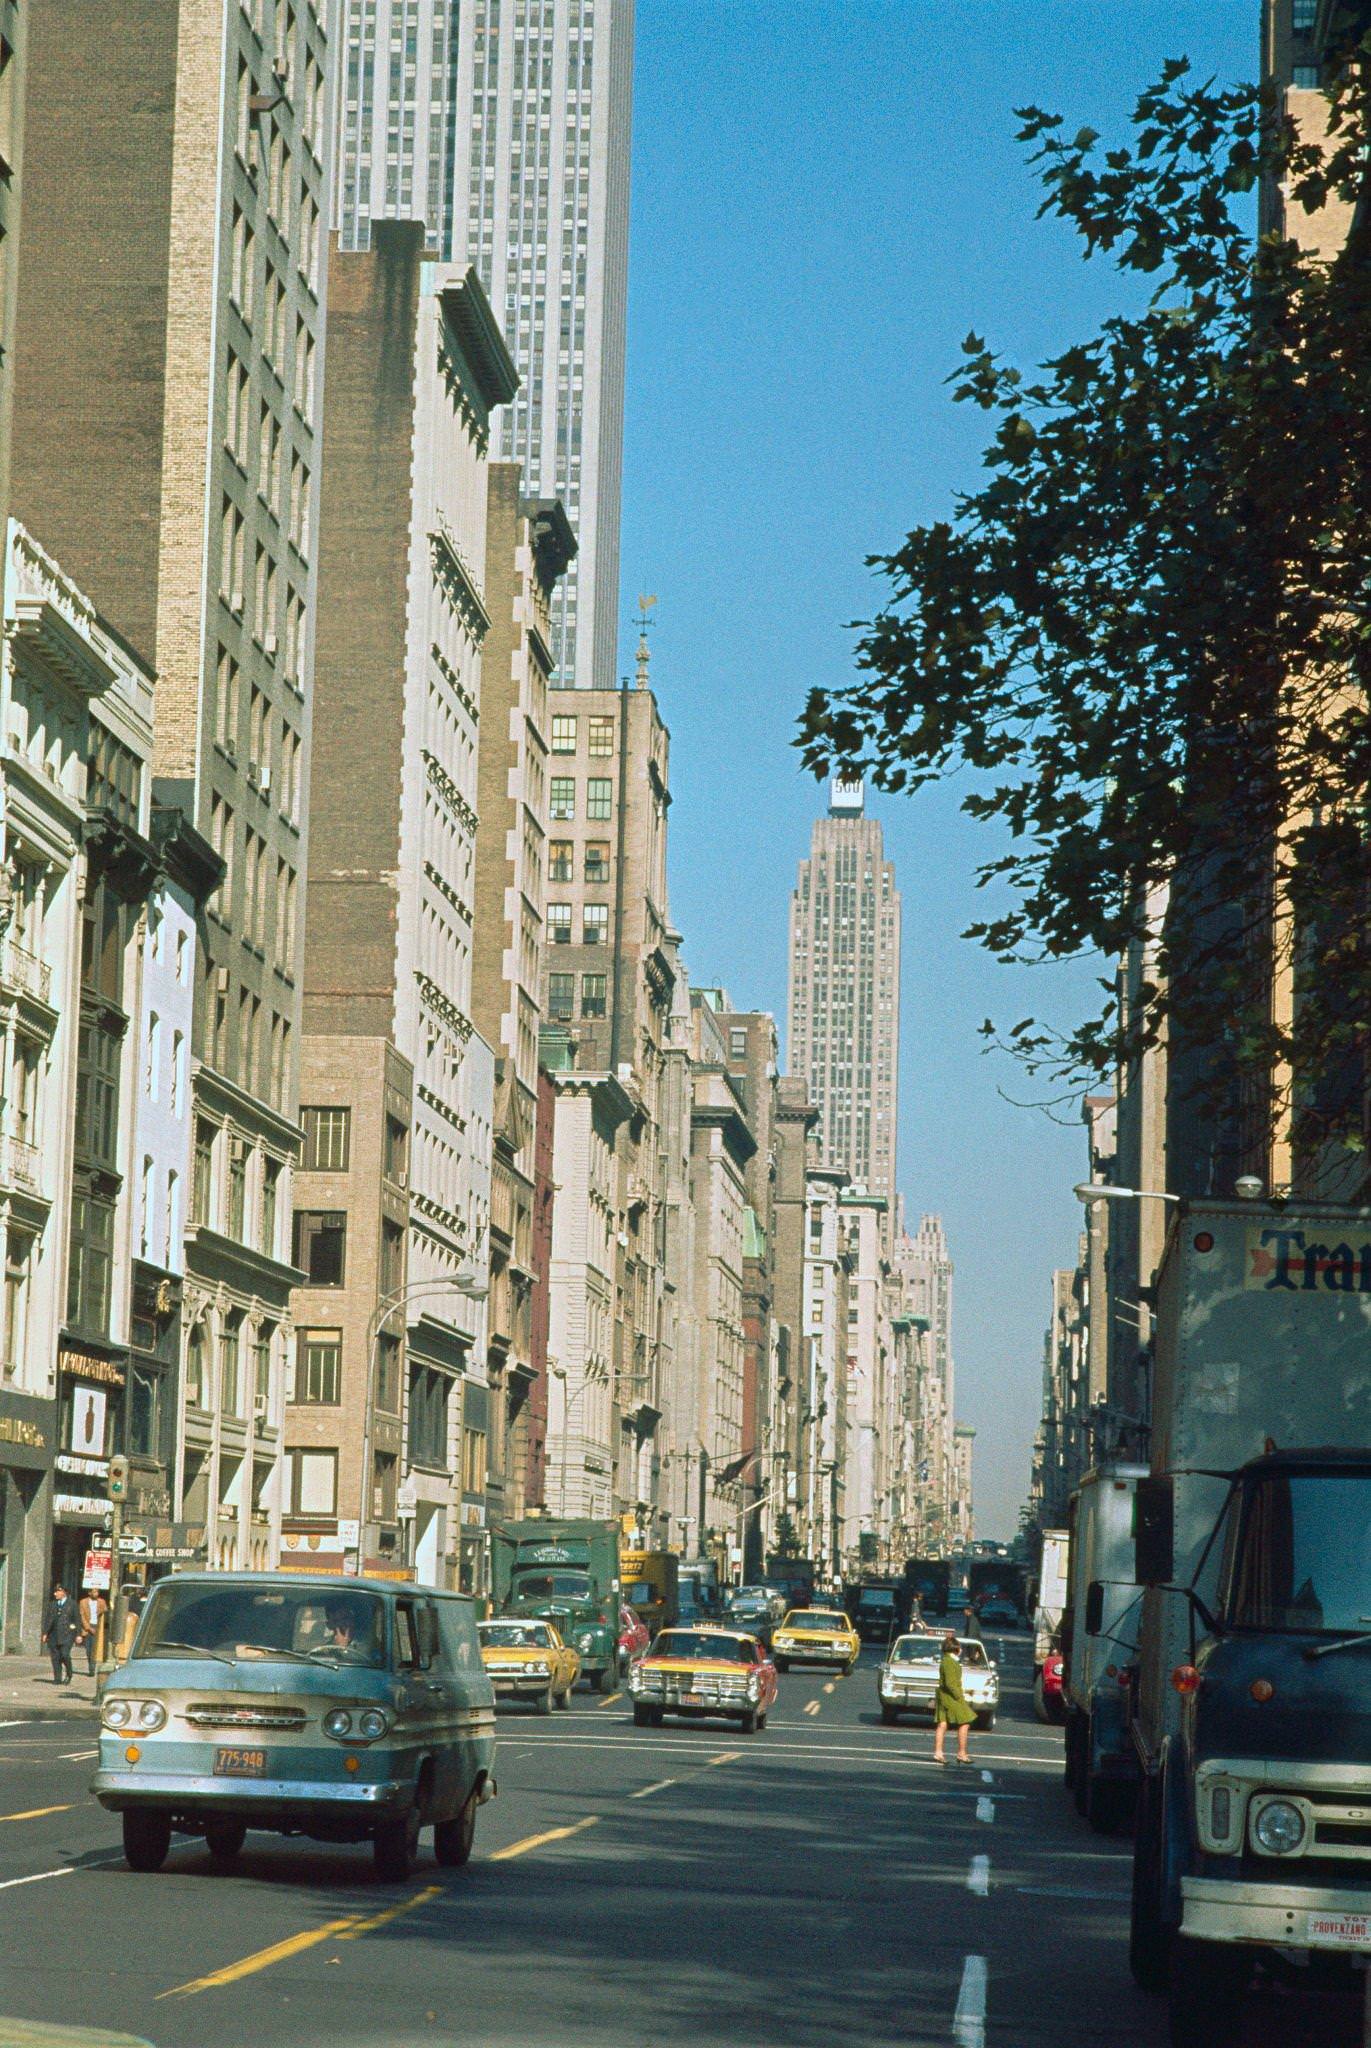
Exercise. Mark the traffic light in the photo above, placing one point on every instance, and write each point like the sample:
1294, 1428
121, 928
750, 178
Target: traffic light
118, 1487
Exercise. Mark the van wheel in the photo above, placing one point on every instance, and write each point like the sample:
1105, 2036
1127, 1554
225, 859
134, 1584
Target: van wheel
395, 1846
147, 1838
224, 1839
452, 1839
596, 1680
1209, 1981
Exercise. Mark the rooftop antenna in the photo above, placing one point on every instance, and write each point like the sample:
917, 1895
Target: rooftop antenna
645, 605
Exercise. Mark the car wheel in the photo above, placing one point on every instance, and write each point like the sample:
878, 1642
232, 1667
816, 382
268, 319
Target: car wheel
224, 1839
147, 1838
782, 1663
889, 1715
395, 1846
659, 1717
564, 1698
748, 1722
985, 1722
642, 1717
543, 1703
761, 1720
1208, 1990
452, 1839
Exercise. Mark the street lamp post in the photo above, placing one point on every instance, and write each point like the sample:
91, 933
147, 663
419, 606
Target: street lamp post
595, 1376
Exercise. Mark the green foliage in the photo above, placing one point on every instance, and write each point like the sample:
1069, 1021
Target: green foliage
1146, 633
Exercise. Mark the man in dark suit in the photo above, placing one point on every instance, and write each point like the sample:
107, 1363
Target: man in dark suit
61, 1626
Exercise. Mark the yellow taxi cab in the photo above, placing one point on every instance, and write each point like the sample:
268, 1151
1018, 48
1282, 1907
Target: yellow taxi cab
703, 1671
527, 1660
815, 1635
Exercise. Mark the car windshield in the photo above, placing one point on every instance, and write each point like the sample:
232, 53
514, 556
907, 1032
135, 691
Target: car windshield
1304, 1559
249, 1621
808, 1619
553, 1586
876, 1597
698, 1643
973, 1656
515, 1635
916, 1650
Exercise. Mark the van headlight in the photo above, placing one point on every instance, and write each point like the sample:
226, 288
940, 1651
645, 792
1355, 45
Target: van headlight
1279, 1828
585, 1641
146, 1716
338, 1724
373, 1724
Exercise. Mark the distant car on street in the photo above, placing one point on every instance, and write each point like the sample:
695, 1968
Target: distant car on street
1049, 1694
698, 1672
997, 1612
908, 1679
527, 1660
752, 1608
816, 1635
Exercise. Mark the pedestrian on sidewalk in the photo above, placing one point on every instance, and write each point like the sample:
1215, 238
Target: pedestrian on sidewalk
60, 1628
90, 1608
950, 1709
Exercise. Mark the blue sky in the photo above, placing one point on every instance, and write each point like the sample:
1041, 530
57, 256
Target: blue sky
825, 199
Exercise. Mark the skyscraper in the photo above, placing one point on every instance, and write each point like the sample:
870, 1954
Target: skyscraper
504, 125
844, 1033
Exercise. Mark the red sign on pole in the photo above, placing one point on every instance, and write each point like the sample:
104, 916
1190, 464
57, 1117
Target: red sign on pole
95, 1573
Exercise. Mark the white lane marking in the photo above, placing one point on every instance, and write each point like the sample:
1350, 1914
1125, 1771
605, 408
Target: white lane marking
987, 1777
978, 1877
811, 1706
64, 1870
985, 1809
78, 1756
830, 1686
968, 2022
777, 1747
17, 1724
645, 1791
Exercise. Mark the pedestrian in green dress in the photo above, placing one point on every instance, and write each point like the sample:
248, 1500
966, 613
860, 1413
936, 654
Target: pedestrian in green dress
950, 1709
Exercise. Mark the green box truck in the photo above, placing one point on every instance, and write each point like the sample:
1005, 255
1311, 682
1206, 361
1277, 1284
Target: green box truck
566, 1573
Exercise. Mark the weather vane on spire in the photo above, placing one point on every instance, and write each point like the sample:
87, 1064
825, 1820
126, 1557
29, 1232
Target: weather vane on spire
645, 605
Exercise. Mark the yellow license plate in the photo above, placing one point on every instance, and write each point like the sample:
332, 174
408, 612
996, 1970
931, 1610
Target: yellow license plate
240, 1763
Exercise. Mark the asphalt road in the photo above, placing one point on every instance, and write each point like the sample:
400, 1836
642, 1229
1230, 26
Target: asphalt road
822, 1882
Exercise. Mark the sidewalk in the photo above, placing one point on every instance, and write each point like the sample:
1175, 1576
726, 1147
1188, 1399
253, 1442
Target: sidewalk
27, 1692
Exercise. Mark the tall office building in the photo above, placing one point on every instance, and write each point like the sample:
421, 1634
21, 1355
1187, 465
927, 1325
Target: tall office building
504, 125
844, 1035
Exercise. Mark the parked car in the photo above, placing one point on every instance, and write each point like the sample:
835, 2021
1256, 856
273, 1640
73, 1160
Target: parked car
816, 1635
908, 1679
998, 1612
699, 1672
634, 1637
527, 1660
345, 1710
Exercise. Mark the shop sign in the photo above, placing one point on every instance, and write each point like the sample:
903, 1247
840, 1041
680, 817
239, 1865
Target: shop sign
85, 1468
95, 1572
87, 1420
167, 1543
385, 1568
25, 1425
349, 1534
76, 1507
89, 1365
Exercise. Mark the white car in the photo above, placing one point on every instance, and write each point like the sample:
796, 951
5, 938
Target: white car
909, 1678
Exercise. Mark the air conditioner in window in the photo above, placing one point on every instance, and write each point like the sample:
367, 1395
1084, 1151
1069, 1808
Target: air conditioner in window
221, 981
259, 1409
236, 604
270, 644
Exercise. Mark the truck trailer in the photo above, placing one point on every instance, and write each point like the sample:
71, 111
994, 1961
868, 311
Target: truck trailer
1251, 1707
1100, 1641
566, 1573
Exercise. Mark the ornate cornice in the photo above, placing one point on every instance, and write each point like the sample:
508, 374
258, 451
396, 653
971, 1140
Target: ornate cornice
445, 889
459, 578
455, 683
443, 1008
450, 794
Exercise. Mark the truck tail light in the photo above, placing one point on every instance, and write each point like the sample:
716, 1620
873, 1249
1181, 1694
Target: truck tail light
1186, 1679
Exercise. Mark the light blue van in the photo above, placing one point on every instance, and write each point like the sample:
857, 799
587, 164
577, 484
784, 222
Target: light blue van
348, 1710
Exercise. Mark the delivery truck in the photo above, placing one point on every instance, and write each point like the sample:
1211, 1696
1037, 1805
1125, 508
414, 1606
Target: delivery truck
566, 1573
1251, 1704
651, 1582
1100, 1643
929, 1581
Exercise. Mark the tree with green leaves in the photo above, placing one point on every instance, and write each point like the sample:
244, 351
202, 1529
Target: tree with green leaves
1145, 639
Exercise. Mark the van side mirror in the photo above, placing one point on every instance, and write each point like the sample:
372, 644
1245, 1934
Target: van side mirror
1094, 1608
1154, 1507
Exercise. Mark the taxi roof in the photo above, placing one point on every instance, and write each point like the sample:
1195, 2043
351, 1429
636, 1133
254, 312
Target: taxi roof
707, 1628
835, 1613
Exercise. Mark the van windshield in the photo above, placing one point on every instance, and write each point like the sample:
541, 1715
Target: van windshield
1304, 1557
246, 1622
552, 1586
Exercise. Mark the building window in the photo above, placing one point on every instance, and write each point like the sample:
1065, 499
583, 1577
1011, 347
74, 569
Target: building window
593, 991
18, 1252
320, 1246
397, 1150
564, 735
388, 1373
91, 1264
271, 1182
318, 1368
383, 1488
428, 1399
562, 803
1307, 77
737, 1045
597, 861
202, 1190
601, 737
229, 1362
561, 865
328, 1140
195, 1366
559, 923
473, 1461
313, 1481
595, 924
237, 1189
1303, 14
143, 1409
599, 798
392, 1259
561, 995
261, 1367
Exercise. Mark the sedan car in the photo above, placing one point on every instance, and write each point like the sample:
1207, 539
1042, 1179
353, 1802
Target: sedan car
703, 1671
527, 1660
815, 1635
633, 1637
1049, 1688
908, 1678
997, 1612
750, 1609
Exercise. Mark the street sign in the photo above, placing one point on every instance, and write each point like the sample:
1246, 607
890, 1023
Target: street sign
349, 1534
132, 1546
95, 1573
